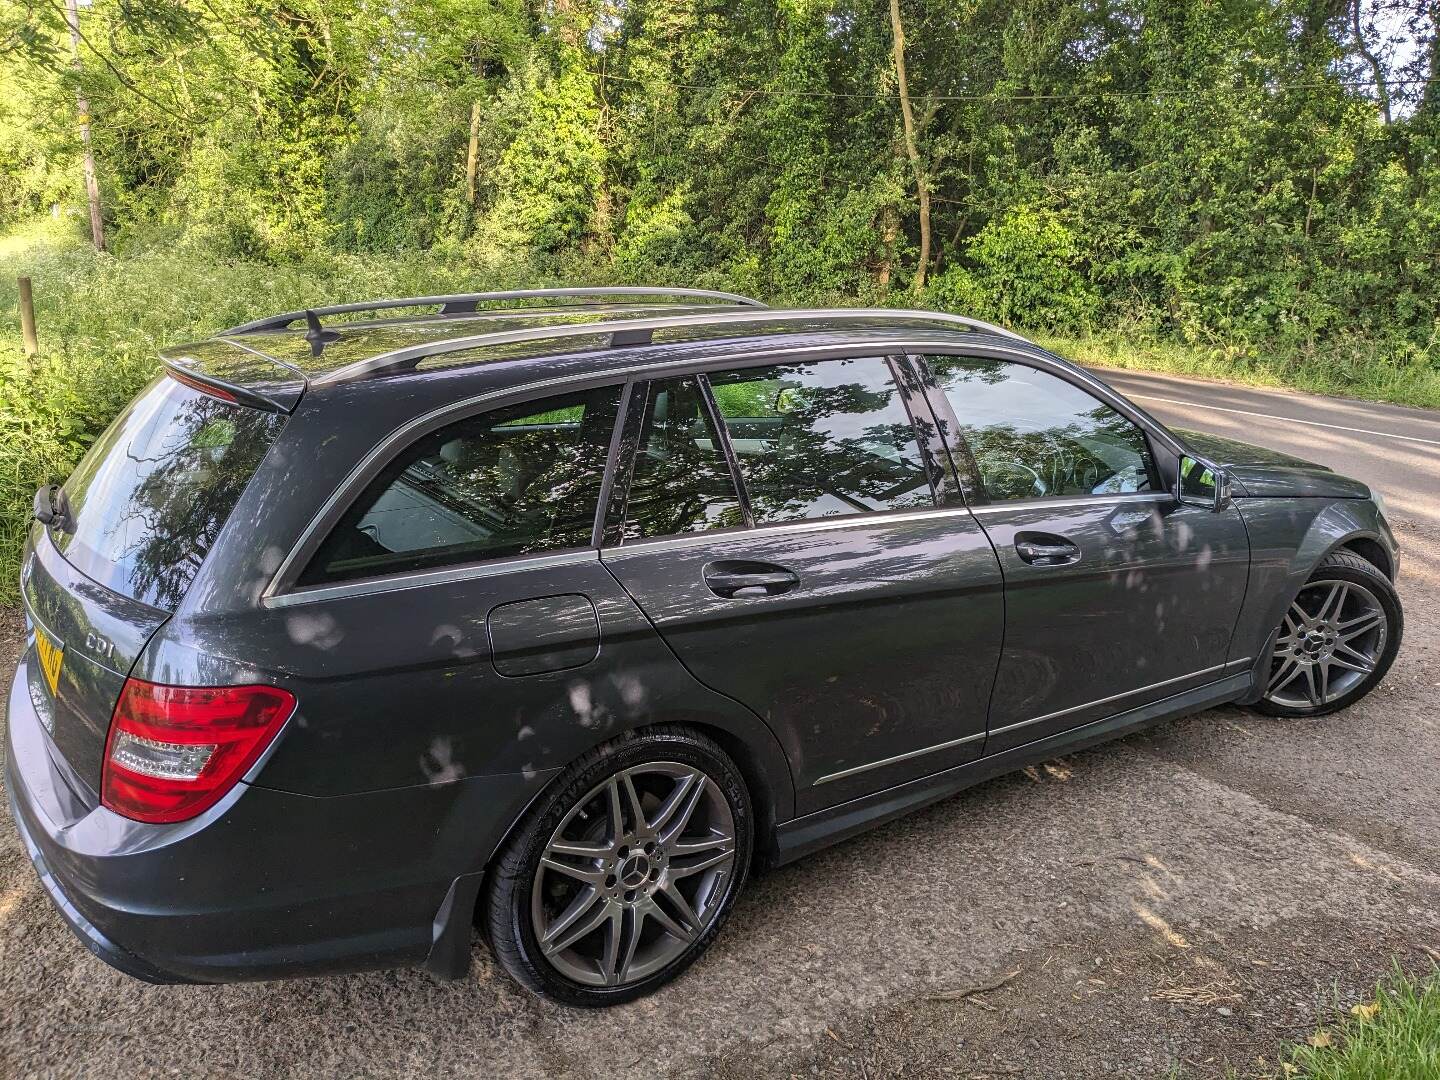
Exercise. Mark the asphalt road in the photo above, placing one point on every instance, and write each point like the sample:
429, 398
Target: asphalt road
1393, 448
1187, 899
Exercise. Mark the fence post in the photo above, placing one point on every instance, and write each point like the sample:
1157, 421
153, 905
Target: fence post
27, 318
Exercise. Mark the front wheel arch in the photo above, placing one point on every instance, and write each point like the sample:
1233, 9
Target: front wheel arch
1371, 550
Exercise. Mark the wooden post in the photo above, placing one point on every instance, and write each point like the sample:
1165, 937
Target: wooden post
27, 318
82, 106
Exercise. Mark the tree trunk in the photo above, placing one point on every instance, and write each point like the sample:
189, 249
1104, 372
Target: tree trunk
889, 234
1382, 90
1430, 97
912, 151
82, 106
472, 157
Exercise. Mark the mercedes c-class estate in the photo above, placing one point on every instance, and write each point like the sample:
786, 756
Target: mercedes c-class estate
555, 613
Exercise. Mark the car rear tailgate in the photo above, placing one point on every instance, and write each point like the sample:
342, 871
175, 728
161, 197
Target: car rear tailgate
96, 635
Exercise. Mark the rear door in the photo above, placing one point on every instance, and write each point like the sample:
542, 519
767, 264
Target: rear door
789, 531
1116, 594
130, 529
456, 620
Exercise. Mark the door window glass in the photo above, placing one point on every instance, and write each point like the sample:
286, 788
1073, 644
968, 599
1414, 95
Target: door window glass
509, 482
822, 439
681, 482
1036, 436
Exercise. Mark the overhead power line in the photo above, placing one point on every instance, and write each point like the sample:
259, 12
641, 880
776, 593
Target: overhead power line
1328, 84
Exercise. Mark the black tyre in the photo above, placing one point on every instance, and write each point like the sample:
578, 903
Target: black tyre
624, 871
1337, 639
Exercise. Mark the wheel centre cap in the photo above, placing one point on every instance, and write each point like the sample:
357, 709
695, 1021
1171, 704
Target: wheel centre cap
634, 870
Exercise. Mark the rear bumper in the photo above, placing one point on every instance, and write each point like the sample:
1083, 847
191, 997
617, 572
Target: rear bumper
266, 884
85, 930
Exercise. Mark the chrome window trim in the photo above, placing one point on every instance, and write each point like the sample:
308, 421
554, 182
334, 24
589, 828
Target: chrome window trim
1070, 502
402, 436
844, 773
805, 525
375, 586
752, 354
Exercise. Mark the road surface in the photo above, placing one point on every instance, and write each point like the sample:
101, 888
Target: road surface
1391, 447
1186, 899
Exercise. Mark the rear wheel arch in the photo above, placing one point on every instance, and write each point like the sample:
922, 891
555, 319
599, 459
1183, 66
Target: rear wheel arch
502, 910
771, 790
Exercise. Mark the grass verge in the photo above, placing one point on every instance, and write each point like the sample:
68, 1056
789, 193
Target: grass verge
1395, 1036
1349, 369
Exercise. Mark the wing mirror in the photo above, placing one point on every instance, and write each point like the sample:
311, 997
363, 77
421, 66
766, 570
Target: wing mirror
1202, 484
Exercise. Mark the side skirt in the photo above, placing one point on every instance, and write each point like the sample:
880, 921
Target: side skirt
799, 837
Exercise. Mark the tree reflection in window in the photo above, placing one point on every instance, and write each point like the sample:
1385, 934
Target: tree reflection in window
822, 439
510, 482
1034, 435
680, 482
150, 498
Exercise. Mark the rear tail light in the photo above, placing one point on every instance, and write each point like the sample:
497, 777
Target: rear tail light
174, 751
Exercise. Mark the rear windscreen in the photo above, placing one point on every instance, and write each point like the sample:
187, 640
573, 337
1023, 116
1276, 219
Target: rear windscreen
154, 491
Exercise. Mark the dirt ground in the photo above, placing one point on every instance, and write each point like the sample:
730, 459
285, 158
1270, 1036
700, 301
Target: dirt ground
1177, 903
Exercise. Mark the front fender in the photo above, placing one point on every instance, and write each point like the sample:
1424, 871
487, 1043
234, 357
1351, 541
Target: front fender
1289, 538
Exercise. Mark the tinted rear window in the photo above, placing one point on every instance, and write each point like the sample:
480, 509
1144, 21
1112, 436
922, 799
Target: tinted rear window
517, 481
155, 490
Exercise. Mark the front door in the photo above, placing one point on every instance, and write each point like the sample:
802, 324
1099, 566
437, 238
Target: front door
788, 535
1116, 595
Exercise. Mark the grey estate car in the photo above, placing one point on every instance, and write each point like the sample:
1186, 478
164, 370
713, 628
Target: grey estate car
556, 612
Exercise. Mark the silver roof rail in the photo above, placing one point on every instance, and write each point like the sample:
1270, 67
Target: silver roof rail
638, 331
465, 303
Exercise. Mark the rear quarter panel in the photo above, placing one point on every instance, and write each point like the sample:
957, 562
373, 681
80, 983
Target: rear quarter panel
401, 689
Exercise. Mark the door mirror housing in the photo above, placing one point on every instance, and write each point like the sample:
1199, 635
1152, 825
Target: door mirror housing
1200, 483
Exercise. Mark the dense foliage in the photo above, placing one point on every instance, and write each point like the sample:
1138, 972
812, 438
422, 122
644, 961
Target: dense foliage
1229, 170
1246, 187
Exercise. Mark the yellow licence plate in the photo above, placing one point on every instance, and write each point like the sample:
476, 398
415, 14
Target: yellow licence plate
51, 657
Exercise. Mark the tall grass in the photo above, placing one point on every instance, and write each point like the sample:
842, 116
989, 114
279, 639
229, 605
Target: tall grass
1392, 372
102, 317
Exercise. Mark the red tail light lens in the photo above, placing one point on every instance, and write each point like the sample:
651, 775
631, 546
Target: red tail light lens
174, 751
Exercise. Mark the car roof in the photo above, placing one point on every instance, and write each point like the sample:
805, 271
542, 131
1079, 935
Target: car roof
270, 362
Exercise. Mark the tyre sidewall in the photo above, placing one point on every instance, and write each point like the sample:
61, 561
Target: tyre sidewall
1365, 574
509, 892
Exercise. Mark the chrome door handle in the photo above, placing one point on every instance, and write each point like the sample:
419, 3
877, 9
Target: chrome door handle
740, 580
1041, 549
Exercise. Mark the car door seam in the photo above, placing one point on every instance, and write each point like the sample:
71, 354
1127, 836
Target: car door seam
665, 641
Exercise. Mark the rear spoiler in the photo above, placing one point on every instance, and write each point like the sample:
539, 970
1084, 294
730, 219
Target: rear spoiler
251, 379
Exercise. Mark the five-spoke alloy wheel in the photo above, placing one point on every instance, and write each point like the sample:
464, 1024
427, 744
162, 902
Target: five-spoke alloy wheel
1335, 641
625, 872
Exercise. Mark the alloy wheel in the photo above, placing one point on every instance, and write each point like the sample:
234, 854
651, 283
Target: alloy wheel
1331, 639
634, 874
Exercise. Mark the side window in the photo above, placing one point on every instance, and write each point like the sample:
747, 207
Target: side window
822, 439
1034, 435
681, 482
509, 482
